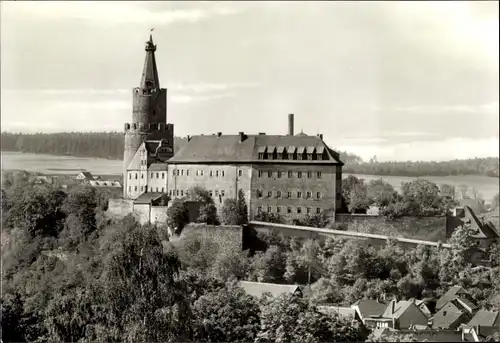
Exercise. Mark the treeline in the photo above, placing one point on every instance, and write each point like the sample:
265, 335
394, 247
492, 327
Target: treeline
110, 145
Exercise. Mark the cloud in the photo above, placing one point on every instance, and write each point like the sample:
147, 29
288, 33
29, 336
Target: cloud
104, 12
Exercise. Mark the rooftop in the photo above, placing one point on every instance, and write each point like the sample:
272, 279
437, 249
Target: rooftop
257, 289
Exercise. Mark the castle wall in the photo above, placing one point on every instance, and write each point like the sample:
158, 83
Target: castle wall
424, 228
158, 214
120, 207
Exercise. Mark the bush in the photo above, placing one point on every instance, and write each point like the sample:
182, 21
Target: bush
178, 214
269, 218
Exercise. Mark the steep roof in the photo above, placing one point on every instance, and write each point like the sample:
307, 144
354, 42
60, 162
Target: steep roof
149, 78
157, 167
87, 175
228, 148
370, 307
483, 229
257, 289
485, 318
399, 308
449, 296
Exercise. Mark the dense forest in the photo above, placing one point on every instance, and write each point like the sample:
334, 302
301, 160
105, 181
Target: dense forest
110, 145
71, 274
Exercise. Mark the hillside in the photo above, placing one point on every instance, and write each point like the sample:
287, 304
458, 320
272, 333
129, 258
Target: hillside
110, 145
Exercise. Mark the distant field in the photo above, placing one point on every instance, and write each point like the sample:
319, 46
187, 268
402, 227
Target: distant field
51, 164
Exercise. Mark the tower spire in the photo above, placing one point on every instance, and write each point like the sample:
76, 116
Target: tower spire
149, 79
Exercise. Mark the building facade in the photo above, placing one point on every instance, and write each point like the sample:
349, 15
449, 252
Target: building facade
290, 175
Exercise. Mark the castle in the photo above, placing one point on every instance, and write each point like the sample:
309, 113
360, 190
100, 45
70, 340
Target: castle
291, 175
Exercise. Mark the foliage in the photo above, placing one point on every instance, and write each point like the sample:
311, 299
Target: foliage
495, 202
269, 217
320, 220
290, 318
226, 315
178, 214
235, 212
208, 212
381, 193
354, 192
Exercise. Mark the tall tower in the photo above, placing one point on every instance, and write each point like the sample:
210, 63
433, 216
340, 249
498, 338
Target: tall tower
149, 115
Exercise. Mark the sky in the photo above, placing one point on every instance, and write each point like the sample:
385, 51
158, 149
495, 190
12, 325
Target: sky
396, 80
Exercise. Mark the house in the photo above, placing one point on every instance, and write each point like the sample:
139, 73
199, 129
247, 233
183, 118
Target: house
41, 180
484, 323
400, 315
421, 304
456, 312
85, 176
451, 294
369, 308
145, 205
258, 289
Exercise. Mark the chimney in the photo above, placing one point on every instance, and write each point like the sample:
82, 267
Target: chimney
290, 124
321, 136
219, 134
242, 136
393, 306
189, 138
262, 133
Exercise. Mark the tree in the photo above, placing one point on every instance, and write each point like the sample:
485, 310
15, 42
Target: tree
355, 194
381, 192
178, 214
269, 217
268, 266
208, 211
495, 202
229, 213
289, 318
226, 315
424, 196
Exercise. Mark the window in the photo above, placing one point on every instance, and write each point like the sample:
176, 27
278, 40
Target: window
216, 192
299, 174
130, 176
260, 173
318, 175
308, 195
162, 175
197, 173
269, 194
299, 195
129, 188
182, 193
178, 171
201, 172
269, 174
173, 172
308, 210
240, 172
150, 189
210, 173
289, 195
210, 192
177, 192
318, 195
135, 188
222, 193
278, 209
142, 176
318, 210
299, 210
223, 173
182, 172
290, 174
157, 175
289, 209
269, 209
309, 175
278, 194
170, 192
259, 209
259, 194
261, 155
217, 173
162, 189
279, 174
136, 176
152, 175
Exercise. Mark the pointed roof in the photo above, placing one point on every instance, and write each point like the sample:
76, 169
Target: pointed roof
149, 79
451, 294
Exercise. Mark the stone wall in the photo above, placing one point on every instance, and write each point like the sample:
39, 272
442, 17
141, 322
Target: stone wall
120, 207
158, 214
424, 228
231, 234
